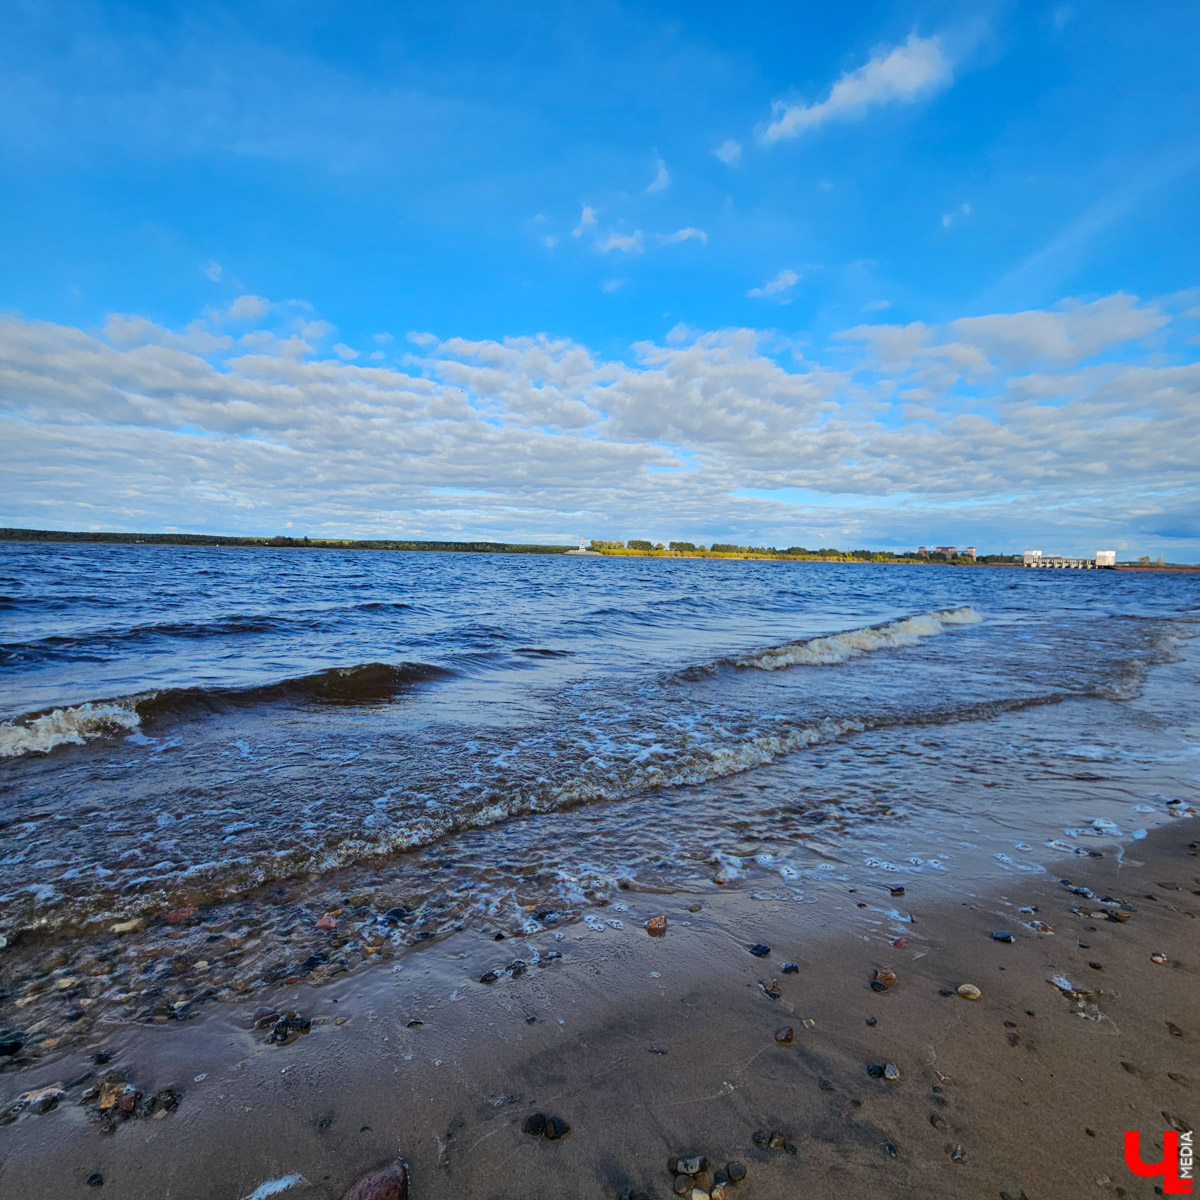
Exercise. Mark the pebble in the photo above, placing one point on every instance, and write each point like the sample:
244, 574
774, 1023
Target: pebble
900, 943
958, 1154
535, 1125
656, 926
785, 1035
389, 1184
759, 950
968, 991
826, 1085
131, 926
682, 1185
694, 907
1002, 935
891, 1072
897, 891
688, 1166
886, 976
736, 1171
700, 1194
95, 1179
789, 968
771, 989
488, 977
556, 1128
1158, 958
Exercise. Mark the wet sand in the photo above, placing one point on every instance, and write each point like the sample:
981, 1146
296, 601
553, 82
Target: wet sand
656, 1046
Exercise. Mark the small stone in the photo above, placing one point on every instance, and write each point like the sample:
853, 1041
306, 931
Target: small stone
688, 1166
759, 950
1158, 958
891, 1072
1040, 926
789, 968
694, 907
656, 926
95, 1179
872, 1022
1096, 966
720, 1176
777, 1141
875, 1070
936, 1121
892, 1149
327, 922
1119, 914
718, 1191
1174, 1029
968, 991
958, 1154
131, 926
389, 1184
761, 1138
900, 943
826, 1085
785, 1035
535, 1125
877, 985
897, 891
736, 1171
556, 1128
771, 989
488, 977
1002, 935
395, 914
886, 976
700, 1194
682, 1185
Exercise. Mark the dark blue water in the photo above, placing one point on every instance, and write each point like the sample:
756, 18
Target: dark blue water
490, 738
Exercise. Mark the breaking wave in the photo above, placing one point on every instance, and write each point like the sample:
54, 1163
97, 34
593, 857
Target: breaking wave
72, 726
830, 649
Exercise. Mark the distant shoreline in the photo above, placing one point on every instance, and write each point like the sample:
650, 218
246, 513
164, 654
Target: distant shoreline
413, 546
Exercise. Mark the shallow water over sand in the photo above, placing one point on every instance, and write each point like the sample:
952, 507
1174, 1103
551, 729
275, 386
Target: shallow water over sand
519, 744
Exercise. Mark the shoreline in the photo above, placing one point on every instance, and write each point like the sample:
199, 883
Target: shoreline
655, 1046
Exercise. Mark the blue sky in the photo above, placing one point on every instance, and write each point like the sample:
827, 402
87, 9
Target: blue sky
771, 273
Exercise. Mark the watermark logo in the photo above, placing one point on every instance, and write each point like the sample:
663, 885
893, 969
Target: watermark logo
1176, 1166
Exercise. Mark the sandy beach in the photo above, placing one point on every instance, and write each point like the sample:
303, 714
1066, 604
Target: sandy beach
650, 1047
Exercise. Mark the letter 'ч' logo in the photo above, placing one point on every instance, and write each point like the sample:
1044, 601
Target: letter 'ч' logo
1175, 1169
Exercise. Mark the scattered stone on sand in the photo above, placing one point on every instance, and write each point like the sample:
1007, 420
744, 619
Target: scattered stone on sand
897, 891
43, 1099
1040, 927
691, 1165
131, 926
957, 1154
826, 1085
785, 1035
488, 977
327, 922
892, 1150
288, 1028
936, 1121
789, 968
878, 985
95, 1179
736, 1171
891, 1072
968, 991
556, 1128
771, 989
1156, 957
872, 1022
682, 1185
656, 926
759, 950
694, 907
700, 1194
1174, 1029
900, 943
390, 1183
535, 1125
1002, 935
885, 975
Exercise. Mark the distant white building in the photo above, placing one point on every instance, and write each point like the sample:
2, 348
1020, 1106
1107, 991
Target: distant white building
1032, 557
1106, 558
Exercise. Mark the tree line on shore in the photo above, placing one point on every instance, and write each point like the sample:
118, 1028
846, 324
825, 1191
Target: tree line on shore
798, 553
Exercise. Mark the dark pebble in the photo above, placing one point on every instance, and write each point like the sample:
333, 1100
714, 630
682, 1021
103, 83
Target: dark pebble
683, 1185
761, 1138
95, 1179
945, 992
736, 1172
556, 1128
875, 1070
789, 968
897, 891
778, 1141
101, 1057
877, 986
892, 1149
720, 1176
872, 1022
1002, 935
396, 914
1010, 1024
535, 1125
759, 950
826, 1085
1096, 966
488, 977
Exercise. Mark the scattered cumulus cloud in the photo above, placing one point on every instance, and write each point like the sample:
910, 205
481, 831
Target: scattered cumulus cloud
627, 243
612, 285
213, 271
249, 308
729, 152
919, 67
661, 180
777, 287
419, 339
344, 352
684, 235
587, 221
876, 305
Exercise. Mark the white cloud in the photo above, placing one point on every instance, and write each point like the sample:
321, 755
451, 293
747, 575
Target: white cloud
612, 285
213, 271
661, 180
783, 282
876, 305
381, 339
918, 67
683, 235
249, 308
949, 217
587, 220
138, 426
417, 338
549, 241
729, 152
347, 353
627, 243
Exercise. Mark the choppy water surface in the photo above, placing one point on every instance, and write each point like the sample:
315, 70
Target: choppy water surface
516, 743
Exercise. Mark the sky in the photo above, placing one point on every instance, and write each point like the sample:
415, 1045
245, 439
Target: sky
871, 275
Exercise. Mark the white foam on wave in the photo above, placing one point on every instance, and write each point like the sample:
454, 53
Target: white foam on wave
66, 727
838, 647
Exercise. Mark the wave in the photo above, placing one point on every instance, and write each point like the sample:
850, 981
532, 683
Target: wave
74, 725
834, 648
